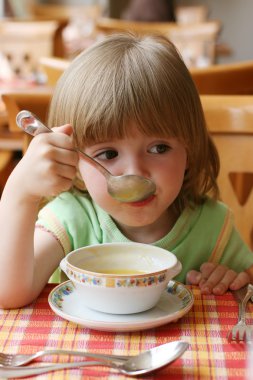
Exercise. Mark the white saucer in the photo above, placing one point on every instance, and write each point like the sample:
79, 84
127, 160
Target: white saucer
175, 301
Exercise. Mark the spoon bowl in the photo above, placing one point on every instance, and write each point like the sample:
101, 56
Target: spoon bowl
124, 188
144, 363
154, 359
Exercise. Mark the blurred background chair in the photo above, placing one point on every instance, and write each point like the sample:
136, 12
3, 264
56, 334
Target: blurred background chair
195, 41
35, 101
6, 167
108, 25
53, 68
22, 43
189, 14
10, 144
78, 24
65, 11
230, 121
227, 79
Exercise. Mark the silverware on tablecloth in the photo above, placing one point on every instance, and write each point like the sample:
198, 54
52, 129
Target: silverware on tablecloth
241, 331
16, 360
143, 363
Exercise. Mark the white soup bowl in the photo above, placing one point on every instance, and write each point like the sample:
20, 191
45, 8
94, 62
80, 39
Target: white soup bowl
120, 278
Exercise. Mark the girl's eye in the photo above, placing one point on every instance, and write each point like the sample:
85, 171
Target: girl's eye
107, 155
160, 149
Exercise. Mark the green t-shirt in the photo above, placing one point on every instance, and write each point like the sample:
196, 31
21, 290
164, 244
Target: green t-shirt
205, 233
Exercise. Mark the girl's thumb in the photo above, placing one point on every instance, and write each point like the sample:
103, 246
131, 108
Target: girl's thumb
67, 129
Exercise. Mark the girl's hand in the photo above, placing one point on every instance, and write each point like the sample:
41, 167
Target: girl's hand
49, 165
217, 279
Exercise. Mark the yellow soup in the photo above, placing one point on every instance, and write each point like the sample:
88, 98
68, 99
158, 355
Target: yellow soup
121, 271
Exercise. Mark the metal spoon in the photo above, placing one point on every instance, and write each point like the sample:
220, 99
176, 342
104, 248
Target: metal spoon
141, 364
124, 188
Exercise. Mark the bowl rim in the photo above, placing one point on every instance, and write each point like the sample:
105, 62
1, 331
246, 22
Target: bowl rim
113, 275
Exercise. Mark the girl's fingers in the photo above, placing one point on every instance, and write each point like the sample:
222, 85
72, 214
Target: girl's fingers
66, 171
64, 156
206, 270
214, 278
193, 277
67, 129
240, 280
56, 139
48, 152
200, 277
217, 279
223, 285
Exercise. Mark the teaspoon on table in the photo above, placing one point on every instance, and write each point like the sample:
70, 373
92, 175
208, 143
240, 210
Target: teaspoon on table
124, 188
141, 364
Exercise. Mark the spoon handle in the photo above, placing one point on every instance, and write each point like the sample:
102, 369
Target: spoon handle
32, 125
16, 372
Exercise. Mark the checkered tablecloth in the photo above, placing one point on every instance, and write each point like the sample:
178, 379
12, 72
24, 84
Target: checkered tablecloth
205, 327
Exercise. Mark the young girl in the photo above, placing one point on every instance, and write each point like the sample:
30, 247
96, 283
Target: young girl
131, 104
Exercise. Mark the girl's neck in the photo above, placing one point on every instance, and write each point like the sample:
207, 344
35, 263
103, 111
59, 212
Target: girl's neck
153, 232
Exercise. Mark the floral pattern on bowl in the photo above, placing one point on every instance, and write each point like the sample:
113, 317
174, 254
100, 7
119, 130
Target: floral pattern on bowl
118, 282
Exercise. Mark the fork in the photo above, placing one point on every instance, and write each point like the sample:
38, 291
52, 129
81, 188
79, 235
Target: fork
10, 360
241, 331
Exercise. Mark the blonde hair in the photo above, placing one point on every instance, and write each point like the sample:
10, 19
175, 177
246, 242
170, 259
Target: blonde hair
141, 79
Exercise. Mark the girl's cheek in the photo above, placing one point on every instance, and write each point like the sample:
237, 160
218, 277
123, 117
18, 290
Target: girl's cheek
94, 181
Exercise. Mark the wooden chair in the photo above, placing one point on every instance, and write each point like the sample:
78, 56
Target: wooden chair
196, 41
230, 121
9, 144
188, 14
109, 25
79, 18
64, 11
23, 42
36, 102
225, 79
53, 68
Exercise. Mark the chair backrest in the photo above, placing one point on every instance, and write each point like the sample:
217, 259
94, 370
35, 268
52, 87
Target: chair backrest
108, 25
188, 14
230, 121
225, 79
79, 24
65, 11
36, 102
53, 68
24, 42
196, 41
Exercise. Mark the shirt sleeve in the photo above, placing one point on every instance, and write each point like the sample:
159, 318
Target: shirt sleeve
237, 255
72, 220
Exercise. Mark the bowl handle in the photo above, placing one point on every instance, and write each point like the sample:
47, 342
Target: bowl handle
63, 265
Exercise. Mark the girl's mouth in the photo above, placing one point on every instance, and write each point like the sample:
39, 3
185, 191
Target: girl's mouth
142, 203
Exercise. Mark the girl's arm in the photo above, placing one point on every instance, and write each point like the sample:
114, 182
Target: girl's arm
28, 258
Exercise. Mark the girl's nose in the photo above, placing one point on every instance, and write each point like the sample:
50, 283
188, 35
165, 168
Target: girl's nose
136, 166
